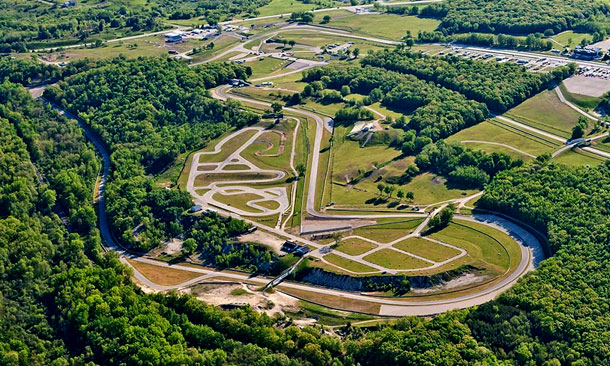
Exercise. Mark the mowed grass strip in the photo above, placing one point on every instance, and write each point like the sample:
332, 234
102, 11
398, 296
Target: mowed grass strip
355, 246
348, 264
483, 244
163, 276
579, 158
427, 249
387, 232
227, 149
205, 179
238, 201
236, 167
393, 259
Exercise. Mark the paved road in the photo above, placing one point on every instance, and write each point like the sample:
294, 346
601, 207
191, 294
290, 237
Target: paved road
232, 188
563, 99
389, 307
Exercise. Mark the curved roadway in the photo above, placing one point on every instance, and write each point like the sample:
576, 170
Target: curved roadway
530, 247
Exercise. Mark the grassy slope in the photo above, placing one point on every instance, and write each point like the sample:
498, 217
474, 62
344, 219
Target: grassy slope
493, 131
545, 111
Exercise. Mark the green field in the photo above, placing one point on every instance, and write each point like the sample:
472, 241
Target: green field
348, 264
388, 26
571, 39
146, 46
427, 249
579, 158
227, 149
393, 259
355, 246
238, 201
487, 248
359, 158
284, 7
497, 132
266, 66
546, 112
388, 231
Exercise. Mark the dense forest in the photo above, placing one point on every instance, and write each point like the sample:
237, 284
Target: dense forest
520, 16
464, 167
58, 308
437, 112
29, 24
559, 313
499, 85
148, 111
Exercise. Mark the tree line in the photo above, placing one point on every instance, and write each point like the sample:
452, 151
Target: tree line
437, 112
148, 111
499, 85
519, 17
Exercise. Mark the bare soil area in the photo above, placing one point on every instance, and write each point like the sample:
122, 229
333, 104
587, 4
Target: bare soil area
264, 238
238, 294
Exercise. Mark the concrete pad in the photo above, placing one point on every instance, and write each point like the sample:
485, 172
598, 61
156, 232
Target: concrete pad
593, 87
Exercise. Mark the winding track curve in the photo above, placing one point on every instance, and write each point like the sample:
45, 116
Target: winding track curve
530, 247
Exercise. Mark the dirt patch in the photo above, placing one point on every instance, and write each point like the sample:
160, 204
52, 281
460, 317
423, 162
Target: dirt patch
464, 280
238, 294
591, 86
437, 180
163, 276
280, 149
173, 246
335, 302
264, 238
